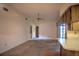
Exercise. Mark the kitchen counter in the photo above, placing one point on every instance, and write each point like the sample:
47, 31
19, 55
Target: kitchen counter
69, 44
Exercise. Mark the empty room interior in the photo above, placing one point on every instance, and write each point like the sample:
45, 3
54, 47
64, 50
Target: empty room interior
39, 29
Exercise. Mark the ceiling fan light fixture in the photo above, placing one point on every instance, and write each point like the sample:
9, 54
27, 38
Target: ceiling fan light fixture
26, 18
38, 18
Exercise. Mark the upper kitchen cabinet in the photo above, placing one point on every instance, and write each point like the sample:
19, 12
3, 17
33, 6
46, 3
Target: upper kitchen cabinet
66, 18
70, 16
75, 17
75, 13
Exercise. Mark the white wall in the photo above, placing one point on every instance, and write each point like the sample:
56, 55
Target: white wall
14, 30
48, 30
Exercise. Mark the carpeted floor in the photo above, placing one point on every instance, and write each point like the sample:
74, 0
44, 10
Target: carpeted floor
36, 48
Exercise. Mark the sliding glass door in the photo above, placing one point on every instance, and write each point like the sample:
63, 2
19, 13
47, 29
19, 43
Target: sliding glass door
62, 29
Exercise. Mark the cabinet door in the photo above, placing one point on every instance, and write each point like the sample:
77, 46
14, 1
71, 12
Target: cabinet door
68, 18
75, 13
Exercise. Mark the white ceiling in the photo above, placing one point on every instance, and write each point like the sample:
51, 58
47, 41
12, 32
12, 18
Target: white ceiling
49, 11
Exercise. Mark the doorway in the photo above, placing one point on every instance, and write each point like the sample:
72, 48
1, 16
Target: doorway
34, 30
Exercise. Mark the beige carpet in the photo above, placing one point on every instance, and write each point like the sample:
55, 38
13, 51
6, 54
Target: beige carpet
35, 48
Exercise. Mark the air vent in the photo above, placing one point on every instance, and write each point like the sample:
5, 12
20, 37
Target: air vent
5, 9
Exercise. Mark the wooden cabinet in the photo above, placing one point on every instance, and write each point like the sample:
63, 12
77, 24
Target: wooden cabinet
70, 16
75, 13
66, 18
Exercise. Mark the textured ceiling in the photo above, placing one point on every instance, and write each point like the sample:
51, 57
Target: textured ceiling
49, 11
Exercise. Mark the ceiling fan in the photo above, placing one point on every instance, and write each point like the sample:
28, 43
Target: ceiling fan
38, 17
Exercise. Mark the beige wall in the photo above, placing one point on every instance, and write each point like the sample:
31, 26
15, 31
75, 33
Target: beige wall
14, 30
48, 29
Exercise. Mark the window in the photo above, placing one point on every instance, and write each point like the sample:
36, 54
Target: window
62, 30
